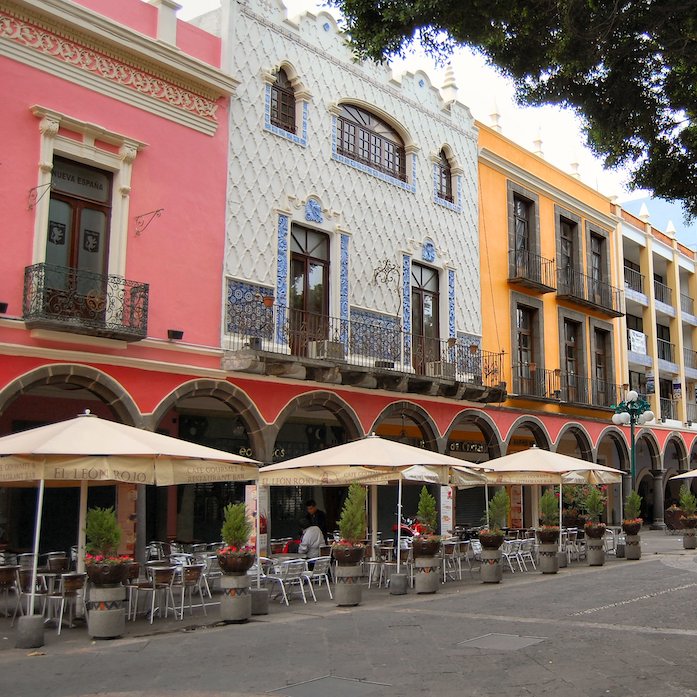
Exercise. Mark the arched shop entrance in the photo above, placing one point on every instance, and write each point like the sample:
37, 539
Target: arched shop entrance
310, 423
575, 442
612, 451
473, 438
48, 395
211, 413
408, 423
674, 462
648, 468
525, 433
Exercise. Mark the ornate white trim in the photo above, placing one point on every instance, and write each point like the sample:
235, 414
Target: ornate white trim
77, 59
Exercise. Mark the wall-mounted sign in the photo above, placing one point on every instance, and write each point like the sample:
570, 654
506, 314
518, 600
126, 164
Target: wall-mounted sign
466, 446
78, 180
650, 384
677, 390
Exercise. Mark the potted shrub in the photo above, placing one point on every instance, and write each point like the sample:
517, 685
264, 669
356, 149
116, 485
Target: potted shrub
548, 533
426, 545
106, 570
594, 503
688, 506
350, 549
631, 524
235, 559
491, 538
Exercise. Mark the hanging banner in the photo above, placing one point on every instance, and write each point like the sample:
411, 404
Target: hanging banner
650, 384
447, 524
637, 341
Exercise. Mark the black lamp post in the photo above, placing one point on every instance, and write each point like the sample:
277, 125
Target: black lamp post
632, 411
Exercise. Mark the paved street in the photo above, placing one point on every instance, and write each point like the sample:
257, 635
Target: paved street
628, 628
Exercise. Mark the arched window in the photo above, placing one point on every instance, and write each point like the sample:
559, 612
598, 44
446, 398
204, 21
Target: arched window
364, 137
283, 103
444, 178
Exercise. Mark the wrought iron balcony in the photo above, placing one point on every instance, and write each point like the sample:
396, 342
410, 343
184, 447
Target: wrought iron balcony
633, 280
669, 408
83, 302
531, 270
662, 293
666, 350
538, 383
691, 414
279, 340
687, 304
690, 358
579, 389
586, 290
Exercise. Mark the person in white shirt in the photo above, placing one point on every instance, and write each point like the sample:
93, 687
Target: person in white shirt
311, 541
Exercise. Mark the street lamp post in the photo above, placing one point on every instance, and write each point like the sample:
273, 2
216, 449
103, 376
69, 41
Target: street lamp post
634, 410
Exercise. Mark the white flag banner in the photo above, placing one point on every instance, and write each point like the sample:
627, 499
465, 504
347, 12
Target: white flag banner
637, 342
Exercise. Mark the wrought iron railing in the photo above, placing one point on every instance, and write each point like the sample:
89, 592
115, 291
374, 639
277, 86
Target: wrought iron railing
277, 329
633, 279
531, 381
666, 350
669, 408
84, 302
691, 412
531, 267
589, 291
690, 358
662, 293
687, 304
579, 389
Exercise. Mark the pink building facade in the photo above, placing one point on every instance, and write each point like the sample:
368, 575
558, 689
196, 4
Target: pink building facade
113, 180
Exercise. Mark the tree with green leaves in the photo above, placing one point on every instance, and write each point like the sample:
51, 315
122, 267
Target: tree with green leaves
594, 504
236, 526
102, 532
352, 526
629, 69
632, 506
688, 501
549, 509
427, 513
499, 506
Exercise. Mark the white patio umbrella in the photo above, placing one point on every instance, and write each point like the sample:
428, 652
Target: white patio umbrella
88, 448
369, 460
686, 475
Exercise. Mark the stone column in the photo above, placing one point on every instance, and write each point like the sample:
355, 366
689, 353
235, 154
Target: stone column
658, 500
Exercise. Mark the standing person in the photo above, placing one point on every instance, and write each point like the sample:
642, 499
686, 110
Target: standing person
315, 516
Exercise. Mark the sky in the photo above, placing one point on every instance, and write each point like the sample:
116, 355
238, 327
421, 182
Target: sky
484, 91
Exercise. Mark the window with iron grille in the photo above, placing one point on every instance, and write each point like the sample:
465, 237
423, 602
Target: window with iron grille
365, 138
283, 103
445, 178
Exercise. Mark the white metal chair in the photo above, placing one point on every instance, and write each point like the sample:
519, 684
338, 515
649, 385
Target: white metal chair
526, 552
452, 561
190, 578
510, 553
161, 579
318, 572
68, 596
289, 574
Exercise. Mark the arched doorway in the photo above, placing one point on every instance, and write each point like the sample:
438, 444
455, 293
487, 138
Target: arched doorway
212, 413
47, 395
612, 451
473, 437
647, 460
311, 422
574, 441
675, 460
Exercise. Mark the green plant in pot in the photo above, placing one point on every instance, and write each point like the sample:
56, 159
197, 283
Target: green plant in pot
492, 536
237, 556
688, 506
631, 523
103, 564
548, 532
352, 528
426, 544
594, 504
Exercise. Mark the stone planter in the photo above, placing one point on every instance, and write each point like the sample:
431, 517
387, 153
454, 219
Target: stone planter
235, 562
595, 551
632, 549
428, 547
107, 574
236, 600
346, 555
348, 589
491, 569
689, 540
548, 558
106, 612
426, 574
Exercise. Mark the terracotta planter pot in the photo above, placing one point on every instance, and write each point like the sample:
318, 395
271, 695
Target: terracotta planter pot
548, 535
490, 540
689, 522
348, 556
425, 548
631, 528
235, 562
595, 531
107, 574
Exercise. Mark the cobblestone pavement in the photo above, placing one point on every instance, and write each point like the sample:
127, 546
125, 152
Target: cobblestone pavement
624, 629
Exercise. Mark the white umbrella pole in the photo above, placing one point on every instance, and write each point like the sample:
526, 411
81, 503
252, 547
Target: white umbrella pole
37, 536
399, 523
560, 512
486, 501
374, 515
82, 525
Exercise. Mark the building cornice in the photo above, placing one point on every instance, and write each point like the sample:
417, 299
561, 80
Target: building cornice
539, 185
